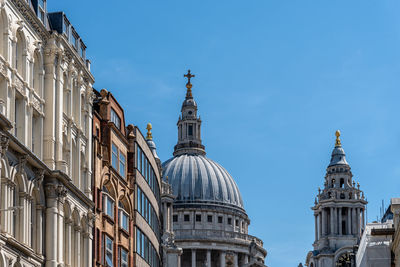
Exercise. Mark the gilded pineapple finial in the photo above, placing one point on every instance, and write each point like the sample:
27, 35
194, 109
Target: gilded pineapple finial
149, 135
338, 143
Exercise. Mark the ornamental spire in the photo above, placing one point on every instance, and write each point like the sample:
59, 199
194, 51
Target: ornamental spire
149, 135
188, 84
338, 143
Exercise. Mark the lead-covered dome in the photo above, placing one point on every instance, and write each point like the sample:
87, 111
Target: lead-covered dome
197, 179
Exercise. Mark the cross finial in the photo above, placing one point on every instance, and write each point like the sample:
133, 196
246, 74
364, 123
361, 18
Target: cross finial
189, 76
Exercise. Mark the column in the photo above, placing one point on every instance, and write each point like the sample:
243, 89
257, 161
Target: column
349, 221
86, 256
39, 234
60, 238
59, 94
51, 230
363, 218
235, 260
49, 108
222, 259
340, 220
77, 247
353, 221
90, 249
323, 222
208, 258
193, 258
316, 227
332, 221
358, 225
246, 259
319, 225
68, 246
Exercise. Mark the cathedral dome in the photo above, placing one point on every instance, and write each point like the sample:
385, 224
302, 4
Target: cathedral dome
195, 179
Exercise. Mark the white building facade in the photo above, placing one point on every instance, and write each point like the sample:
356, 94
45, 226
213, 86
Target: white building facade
45, 127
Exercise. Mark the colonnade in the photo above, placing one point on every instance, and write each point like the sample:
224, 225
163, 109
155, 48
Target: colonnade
329, 221
222, 259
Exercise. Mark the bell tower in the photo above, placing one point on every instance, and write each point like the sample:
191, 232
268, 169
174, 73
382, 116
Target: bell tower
189, 125
339, 214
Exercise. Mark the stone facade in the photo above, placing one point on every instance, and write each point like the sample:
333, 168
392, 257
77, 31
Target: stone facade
46, 107
127, 190
339, 215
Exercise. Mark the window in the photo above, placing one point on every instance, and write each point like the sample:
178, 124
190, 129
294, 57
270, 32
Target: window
108, 204
118, 165
146, 250
190, 130
123, 258
109, 251
175, 218
237, 223
41, 10
122, 163
114, 158
147, 211
219, 219
186, 217
209, 218
123, 217
198, 217
115, 119
229, 221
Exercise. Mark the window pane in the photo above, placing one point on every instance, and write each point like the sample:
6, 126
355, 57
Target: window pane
122, 161
114, 159
109, 252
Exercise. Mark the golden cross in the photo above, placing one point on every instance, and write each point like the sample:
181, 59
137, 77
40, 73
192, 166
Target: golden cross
189, 76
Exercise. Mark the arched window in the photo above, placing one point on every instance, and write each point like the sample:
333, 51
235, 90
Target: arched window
19, 54
341, 183
3, 30
108, 203
37, 76
123, 216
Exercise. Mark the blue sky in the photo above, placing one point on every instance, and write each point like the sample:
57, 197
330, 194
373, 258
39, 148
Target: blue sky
274, 80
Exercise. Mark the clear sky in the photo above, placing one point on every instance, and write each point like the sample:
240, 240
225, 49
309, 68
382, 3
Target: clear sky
274, 80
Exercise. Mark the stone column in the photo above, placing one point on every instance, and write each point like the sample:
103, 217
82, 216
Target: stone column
77, 246
235, 260
39, 231
51, 226
353, 221
332, 211
349, 221
323, 222
358, 225
59, 94
319, 225
222, 259
49, 108
363, 218
246, 259
340, 220
316, 227
208, 258
86, 256
193, 258
68, 247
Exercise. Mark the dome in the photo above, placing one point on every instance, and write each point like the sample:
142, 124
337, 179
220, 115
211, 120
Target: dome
195, 179
338, 157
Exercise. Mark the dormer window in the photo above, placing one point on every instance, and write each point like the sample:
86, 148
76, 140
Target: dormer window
41, 9
115, 119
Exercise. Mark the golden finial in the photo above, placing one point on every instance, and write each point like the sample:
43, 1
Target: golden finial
338, 143
149, 135
188, 84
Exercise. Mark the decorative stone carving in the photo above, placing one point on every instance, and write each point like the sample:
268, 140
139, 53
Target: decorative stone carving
4, 141
55, 191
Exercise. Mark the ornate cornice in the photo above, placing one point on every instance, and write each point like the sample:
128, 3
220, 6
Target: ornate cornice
31, 18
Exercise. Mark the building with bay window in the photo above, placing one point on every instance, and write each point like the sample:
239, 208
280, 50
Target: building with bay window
126, 190
45, 132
